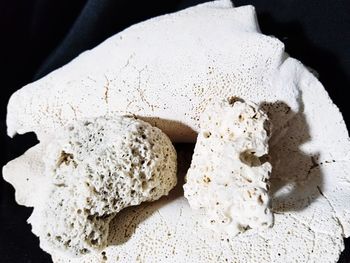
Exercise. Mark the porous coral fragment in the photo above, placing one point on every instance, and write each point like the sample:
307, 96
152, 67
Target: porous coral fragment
97, 167
229, 173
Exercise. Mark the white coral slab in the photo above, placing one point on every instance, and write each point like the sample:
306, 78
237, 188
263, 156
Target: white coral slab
172, 67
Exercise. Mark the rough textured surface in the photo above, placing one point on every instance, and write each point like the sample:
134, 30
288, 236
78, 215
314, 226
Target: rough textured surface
133, 73
310, 147
228, 177
121, 161
93, 170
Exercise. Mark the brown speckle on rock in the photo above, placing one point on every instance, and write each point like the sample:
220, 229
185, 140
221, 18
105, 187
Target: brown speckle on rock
232, 100
206, 179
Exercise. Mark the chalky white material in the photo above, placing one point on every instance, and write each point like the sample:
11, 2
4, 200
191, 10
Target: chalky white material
165, 70
229, 175
170, 67
94, 169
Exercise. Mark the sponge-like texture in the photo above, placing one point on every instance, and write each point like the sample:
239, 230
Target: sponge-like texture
229, 173
96, 168
167, 73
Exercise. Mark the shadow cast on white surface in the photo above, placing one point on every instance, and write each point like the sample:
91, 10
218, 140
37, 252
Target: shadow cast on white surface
296, 179
126, 222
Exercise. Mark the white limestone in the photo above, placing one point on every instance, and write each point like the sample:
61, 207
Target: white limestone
166, 64
165, 70
229, 173
94, 169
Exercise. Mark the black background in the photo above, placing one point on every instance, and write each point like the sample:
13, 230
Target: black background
38, 36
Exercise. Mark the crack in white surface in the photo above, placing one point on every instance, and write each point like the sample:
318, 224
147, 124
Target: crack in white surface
335, 215
128, 61
33, 120
266, 241
106, 86
178, 221
164, 221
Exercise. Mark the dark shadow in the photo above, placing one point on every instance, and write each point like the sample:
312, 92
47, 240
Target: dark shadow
296, 179
97, 21
345, 255
293, 168
275, 20
177, 131
325, 62
124, 225
16, 146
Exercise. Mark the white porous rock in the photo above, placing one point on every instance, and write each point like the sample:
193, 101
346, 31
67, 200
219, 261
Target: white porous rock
309, 146
97, 167
219, 53
228, 177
